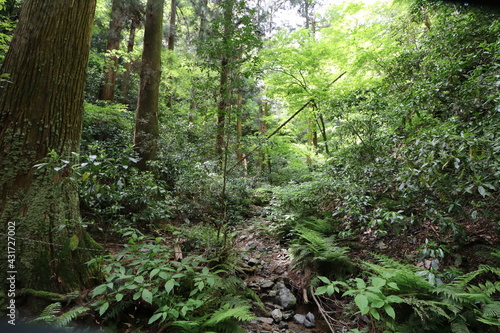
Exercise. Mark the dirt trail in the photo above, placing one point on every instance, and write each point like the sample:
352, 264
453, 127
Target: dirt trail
267, 262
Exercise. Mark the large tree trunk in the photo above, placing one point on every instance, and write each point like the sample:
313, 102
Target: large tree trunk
146, 122
41, 110
107, 92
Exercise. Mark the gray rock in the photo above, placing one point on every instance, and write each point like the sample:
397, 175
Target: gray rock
287, 315
299, 319
253, 262
310, 317
277, 315
265, 320
285, 297
308, 324
267, 284
282, 325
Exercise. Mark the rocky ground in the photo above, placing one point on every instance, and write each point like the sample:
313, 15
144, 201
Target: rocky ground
267, 269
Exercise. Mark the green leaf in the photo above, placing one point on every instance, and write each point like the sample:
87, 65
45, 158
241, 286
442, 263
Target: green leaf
154, 318
73, 242
164, 275
360, 283
390, 311
378, 303
321, 290
393, 299
362, 303
139, 279
330, 290
378, 282
99, 290
147, 296
103, 308
169, 285
324, 279
119, 297
482, 191
153, 273
375, 314
393, 285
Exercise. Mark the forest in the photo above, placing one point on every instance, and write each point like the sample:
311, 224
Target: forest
249, 166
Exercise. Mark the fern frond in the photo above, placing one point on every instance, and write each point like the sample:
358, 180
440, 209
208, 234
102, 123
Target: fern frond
491, 310
240, 313
425, 309
387, 262
65, 318
459, 325
117, 309
49, 313
464, 280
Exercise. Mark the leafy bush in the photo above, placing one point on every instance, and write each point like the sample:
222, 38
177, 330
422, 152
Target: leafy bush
188, 294
457, 306
107, 125
114, 192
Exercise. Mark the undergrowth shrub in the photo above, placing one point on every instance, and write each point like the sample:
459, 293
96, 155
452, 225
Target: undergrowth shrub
199, 190
186, 295
107, 125
398, 297
115, 194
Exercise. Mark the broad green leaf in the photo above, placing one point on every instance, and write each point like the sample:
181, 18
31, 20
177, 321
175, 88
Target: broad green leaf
390, 311
139, 279
377, 303
360, 283
99, 290
330, 290
482, 191
321, 290
154, 318
375, 314
393, 299
324, 279
362, 303
164, 275
153, 273
103, 308
169, 285
378, 282
147, 296
119, 297
393, 285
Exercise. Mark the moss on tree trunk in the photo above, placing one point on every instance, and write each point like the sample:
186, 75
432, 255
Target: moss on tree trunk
41, 110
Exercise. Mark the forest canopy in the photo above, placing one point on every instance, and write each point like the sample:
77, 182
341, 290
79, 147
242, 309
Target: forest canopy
168, 165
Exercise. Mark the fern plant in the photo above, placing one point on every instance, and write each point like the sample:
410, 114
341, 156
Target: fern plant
314, 250
53, 316
455, 307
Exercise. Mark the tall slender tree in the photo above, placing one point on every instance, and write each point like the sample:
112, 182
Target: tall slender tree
41, 110
114, 39
146, 130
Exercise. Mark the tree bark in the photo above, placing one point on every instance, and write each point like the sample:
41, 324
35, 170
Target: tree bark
41, 110
107, 92
224, 85
125, 85
146, 122
172, 30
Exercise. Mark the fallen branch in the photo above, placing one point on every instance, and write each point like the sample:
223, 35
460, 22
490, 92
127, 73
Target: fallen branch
321, 310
